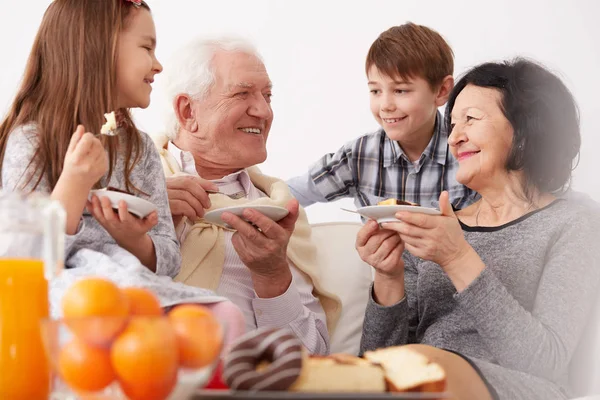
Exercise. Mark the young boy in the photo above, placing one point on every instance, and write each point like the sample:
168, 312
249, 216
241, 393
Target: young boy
409, 69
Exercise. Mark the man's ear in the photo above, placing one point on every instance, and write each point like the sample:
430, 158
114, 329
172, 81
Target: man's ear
444, 90
183, 107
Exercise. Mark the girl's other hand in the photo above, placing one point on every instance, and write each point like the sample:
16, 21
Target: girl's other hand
123, 226
86, 160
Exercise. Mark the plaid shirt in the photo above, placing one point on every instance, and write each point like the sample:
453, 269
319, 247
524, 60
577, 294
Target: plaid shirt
374, 167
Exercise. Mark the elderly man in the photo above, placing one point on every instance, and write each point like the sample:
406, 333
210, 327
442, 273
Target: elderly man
219, 121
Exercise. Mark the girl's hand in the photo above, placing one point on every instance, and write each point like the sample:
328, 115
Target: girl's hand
86, 160
437, 238
124, 227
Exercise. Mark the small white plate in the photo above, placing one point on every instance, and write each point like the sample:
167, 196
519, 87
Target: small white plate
276, 213
387, 213
138, 207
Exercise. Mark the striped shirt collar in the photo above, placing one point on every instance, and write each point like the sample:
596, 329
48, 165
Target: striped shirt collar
436, 150
186, 162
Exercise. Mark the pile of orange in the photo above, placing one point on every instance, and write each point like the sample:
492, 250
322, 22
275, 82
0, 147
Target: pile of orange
122, 334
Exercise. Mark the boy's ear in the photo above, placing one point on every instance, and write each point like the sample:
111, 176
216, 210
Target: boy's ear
182, 106
444, 90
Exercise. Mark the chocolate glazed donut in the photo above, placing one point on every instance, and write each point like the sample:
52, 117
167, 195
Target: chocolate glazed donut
280, 349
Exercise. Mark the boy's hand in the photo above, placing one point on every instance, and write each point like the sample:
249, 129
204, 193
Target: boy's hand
124, 227
86, 160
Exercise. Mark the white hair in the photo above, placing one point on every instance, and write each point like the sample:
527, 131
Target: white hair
190, 71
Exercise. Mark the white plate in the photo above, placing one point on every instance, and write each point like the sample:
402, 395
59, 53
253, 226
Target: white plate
387, 213
276, 213
138, 207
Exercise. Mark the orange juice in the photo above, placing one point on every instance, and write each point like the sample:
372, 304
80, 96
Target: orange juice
24, 372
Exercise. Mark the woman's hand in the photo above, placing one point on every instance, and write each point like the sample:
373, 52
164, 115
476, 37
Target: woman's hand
439, 238
382, 249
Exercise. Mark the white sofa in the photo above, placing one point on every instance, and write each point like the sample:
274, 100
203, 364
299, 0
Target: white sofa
349, 277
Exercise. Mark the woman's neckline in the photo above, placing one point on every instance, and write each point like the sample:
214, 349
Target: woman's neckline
469, 228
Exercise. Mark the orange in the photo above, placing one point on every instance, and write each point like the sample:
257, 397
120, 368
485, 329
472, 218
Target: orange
95, 297
85, 368
199, 335
142, 302
145, 359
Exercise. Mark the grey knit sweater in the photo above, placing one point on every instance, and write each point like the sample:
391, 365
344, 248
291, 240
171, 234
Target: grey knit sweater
147, 176
521, 319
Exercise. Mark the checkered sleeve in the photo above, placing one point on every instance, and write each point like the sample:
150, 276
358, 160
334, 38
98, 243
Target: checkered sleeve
334, 174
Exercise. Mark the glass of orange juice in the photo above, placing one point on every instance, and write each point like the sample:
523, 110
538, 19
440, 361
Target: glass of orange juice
31, 252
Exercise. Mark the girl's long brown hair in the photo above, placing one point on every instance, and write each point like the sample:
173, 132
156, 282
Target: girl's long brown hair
70, 79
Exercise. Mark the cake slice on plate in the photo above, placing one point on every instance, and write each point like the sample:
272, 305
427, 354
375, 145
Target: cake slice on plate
408, 371
339, 373
396, 202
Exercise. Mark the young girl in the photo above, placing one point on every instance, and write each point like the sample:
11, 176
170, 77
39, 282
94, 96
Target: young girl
92, 57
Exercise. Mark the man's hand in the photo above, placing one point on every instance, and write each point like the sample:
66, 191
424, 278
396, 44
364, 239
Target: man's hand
263, 247
188, 197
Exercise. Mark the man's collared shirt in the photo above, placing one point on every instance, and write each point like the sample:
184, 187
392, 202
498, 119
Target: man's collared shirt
297, 308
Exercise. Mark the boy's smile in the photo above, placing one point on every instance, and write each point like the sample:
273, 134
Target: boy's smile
405, 108
393, 121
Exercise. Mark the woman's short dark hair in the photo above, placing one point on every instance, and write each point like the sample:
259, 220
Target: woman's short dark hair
543, 115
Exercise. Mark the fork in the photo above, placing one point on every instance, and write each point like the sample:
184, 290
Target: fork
352, 211
233, 196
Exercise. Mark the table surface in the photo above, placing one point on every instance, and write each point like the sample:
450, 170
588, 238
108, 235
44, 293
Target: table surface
229, 395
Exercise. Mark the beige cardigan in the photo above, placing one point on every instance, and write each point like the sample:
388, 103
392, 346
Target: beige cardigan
203, 251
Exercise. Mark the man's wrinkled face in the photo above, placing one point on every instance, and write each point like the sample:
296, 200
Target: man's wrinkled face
235, 117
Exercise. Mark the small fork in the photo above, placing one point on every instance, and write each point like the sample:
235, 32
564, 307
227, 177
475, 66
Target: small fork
233, 196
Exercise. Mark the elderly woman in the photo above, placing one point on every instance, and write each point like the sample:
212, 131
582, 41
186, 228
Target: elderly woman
498, 293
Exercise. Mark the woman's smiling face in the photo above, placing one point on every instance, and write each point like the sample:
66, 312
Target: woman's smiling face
481, 136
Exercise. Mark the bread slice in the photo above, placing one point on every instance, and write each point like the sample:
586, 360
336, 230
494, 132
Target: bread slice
339, 373
396, 202
408, 371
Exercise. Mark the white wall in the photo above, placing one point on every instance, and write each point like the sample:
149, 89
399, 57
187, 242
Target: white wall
315, 50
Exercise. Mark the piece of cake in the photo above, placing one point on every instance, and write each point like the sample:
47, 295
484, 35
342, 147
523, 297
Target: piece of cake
339, 373
396, 202
110, 127
408, 371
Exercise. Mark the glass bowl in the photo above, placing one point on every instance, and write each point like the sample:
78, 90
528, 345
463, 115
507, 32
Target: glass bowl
149, 358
